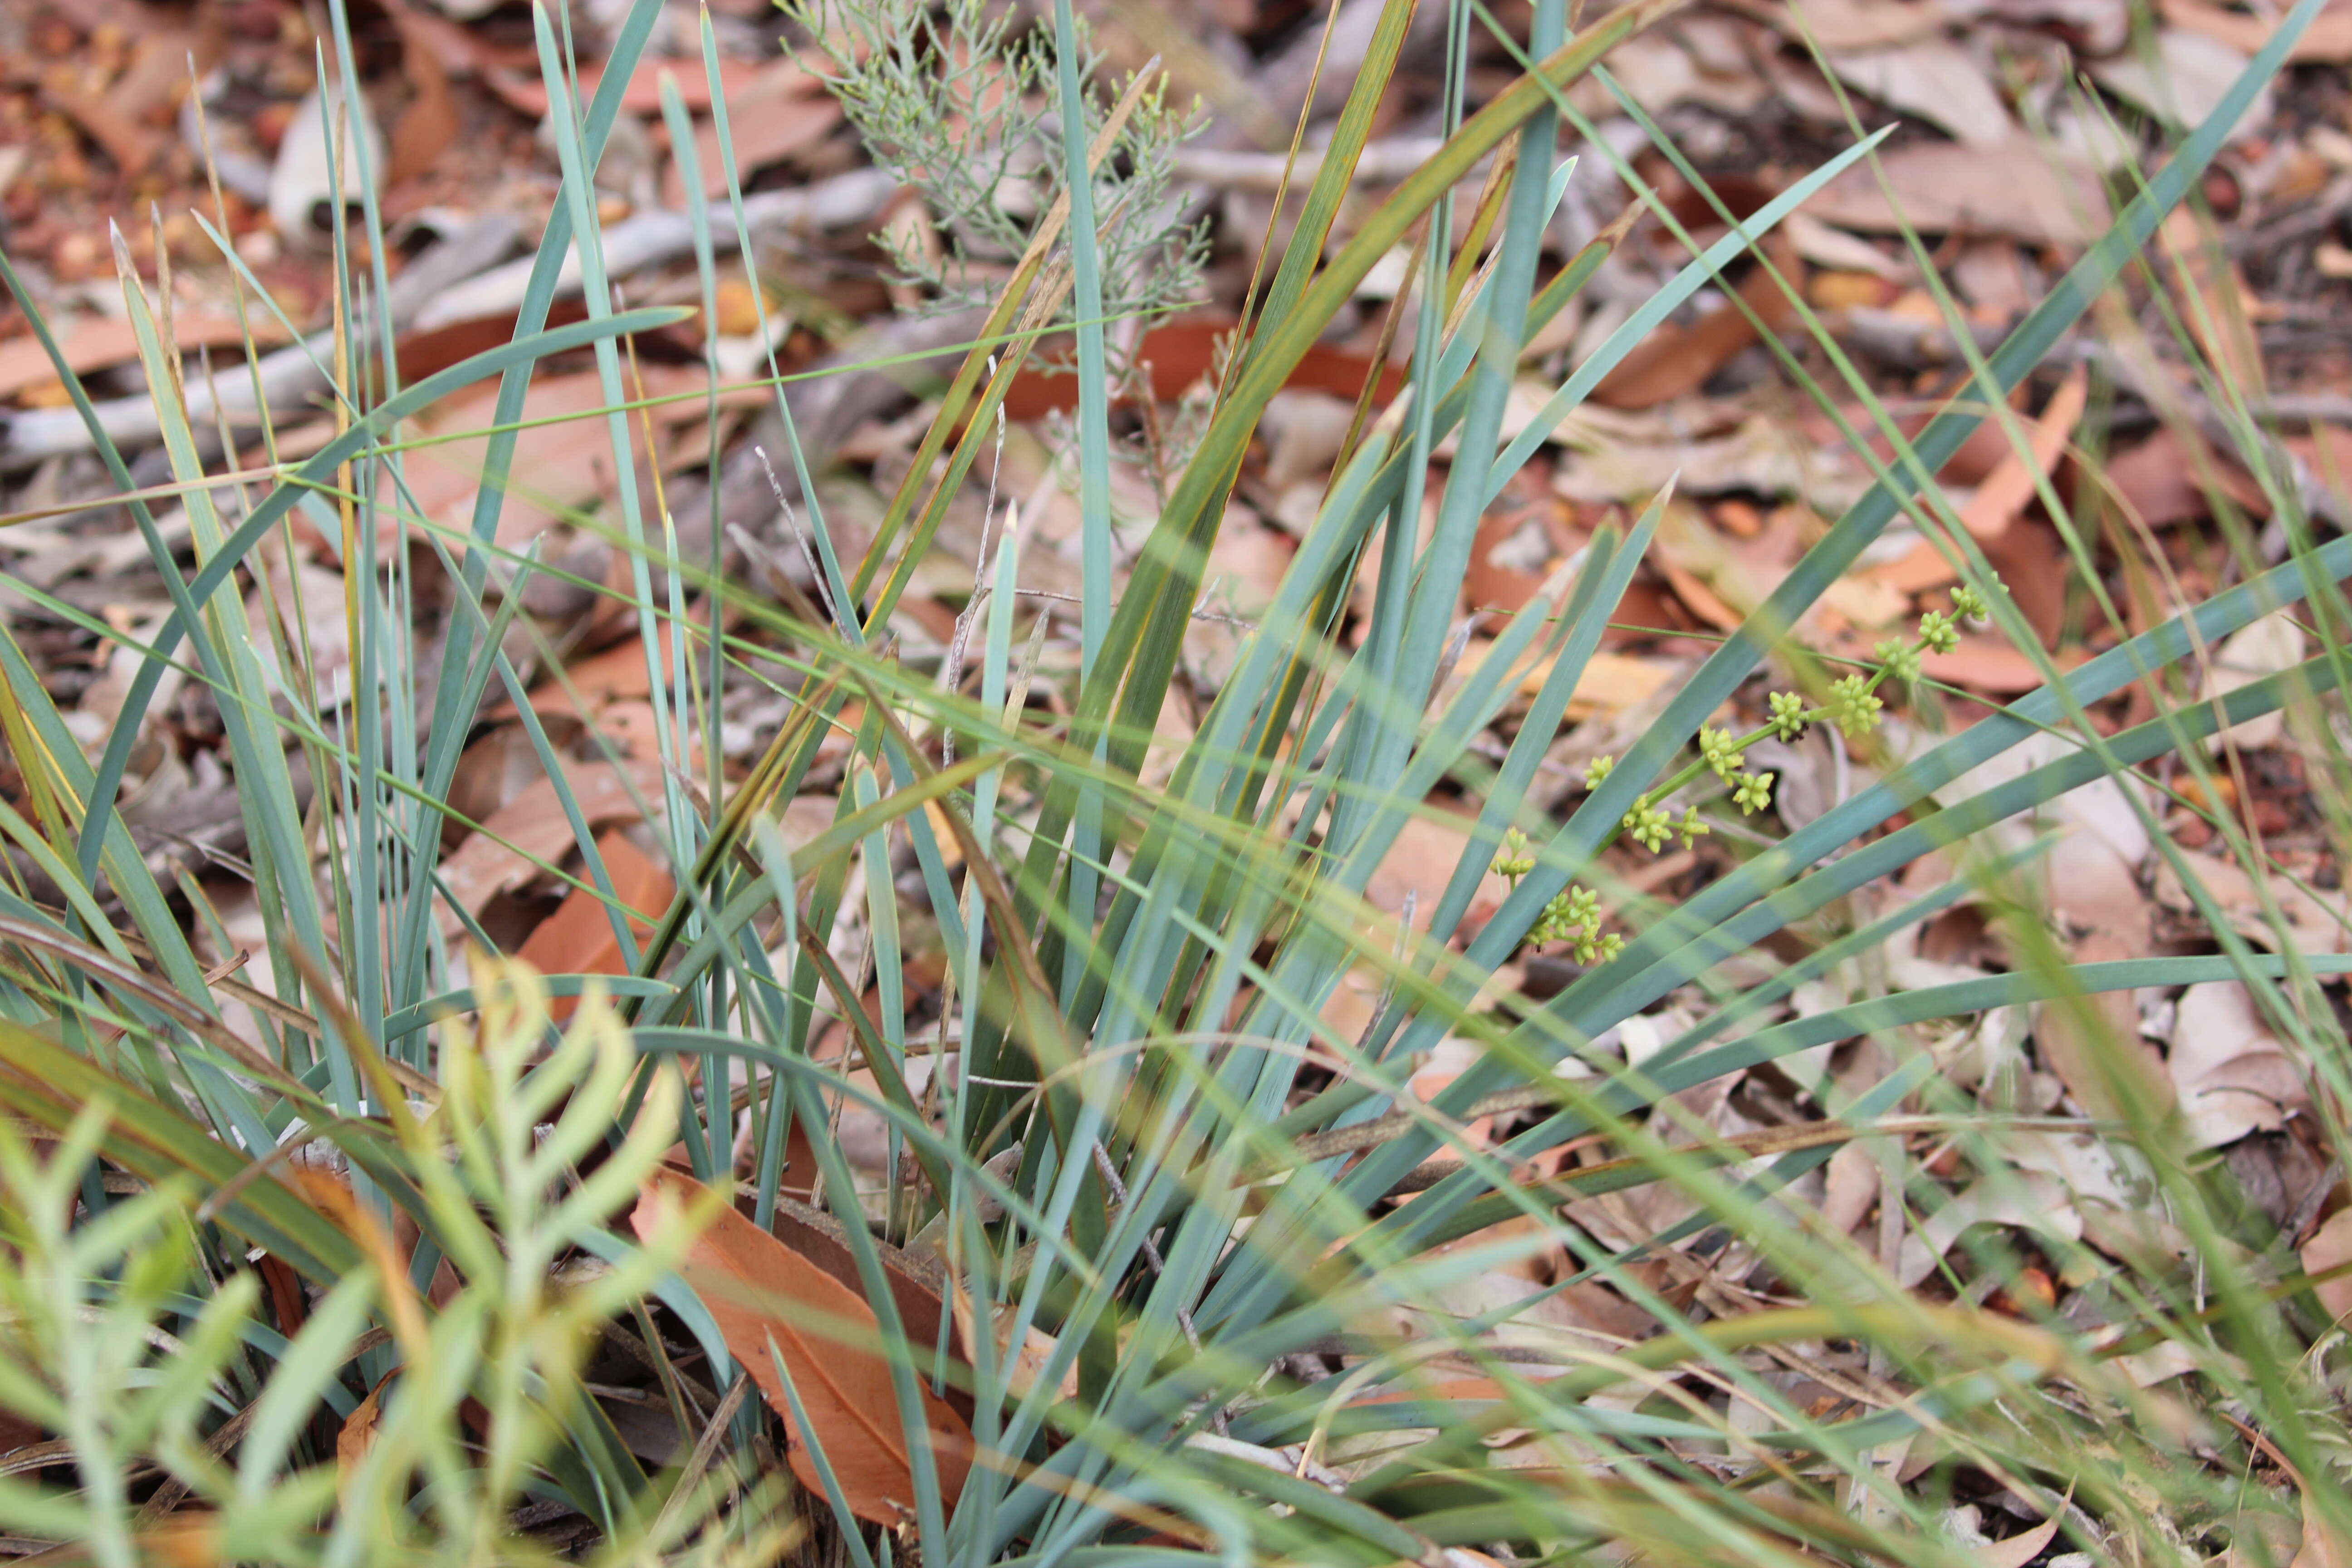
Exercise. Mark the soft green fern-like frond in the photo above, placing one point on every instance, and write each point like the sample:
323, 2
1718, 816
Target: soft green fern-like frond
103, 1345
111, 1337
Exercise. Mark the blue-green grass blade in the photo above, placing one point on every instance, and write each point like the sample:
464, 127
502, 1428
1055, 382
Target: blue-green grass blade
1429, 607
1094, 377
1600, 584
316, 471
1334, 175
461, 676
571, 154
705, 271
266, 792
1097, 544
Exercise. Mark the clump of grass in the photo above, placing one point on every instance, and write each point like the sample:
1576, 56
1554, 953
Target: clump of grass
1210, 1281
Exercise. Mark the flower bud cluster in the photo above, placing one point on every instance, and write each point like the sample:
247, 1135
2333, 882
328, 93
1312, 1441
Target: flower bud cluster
1573, 916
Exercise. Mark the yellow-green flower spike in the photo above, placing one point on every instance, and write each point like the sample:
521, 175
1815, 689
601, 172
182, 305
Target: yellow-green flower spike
1649, 826
1719, 751
1853, 708
1512, 861
1788, 719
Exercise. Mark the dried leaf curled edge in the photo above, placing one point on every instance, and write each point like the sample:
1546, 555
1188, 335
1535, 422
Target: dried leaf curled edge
761, 1292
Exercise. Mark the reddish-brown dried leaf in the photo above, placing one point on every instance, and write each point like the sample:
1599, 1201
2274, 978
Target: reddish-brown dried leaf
2024, 556
533, 828
359, 1430
285, 1297
2010, 488
132, 145
2163, 484
1519, 540
429, 122
2330, 1246
1463, 1388
523, 90
98, 342
1181, 353
579, 938
1422, 862
1985, 664
617, 674
2328, 39
428, 353
562, 458
917, 1281
762, 1293
1676, 360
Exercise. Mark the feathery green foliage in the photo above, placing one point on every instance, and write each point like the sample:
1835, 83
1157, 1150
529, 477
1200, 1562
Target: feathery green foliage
947, 99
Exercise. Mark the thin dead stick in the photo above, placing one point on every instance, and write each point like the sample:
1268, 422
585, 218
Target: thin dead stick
279, 379
951, 677
1151, 1256
714, 1432
1382, 163
654, 238
800, 537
